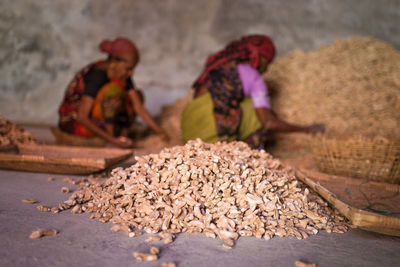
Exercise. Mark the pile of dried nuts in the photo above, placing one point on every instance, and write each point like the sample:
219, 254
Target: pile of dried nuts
12, 134
224, 190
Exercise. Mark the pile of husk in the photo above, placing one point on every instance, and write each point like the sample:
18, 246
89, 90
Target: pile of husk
352, 86
12, 134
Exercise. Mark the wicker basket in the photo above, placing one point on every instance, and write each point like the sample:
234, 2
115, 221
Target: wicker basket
374, 159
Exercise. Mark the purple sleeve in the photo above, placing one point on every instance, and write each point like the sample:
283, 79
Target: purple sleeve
254, 86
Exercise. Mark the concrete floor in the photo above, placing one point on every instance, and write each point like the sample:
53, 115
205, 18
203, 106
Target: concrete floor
85, 242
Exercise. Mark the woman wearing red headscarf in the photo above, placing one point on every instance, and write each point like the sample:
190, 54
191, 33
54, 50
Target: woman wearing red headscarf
231, 99
102, 93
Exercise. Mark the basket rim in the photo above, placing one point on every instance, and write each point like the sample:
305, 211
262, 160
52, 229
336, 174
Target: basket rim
356, 138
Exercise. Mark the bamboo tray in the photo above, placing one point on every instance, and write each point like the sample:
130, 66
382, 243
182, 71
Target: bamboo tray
354, 197
7, 148
62, 159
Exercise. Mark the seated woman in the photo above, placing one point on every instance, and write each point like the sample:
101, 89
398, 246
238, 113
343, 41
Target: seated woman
231, 99
102, 95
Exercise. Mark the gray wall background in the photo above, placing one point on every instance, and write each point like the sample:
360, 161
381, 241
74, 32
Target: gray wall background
44, 43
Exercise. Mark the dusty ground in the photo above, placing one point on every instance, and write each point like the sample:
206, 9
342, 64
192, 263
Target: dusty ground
85, 242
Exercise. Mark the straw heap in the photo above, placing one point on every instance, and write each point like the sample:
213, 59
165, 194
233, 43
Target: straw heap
352, 86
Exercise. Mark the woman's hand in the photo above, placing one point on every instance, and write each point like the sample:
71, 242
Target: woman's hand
316, 128
164, 137
123, 142
142, 112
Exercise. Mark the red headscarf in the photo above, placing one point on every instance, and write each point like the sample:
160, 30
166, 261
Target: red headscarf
250, 48
119, 46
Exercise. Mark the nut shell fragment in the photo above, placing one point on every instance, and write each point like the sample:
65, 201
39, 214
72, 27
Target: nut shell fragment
302, 264
228, 243
154, 251
153, 239
29, 201
65, 189
42, 232
144, 256
43, 208
134, 234
121, 228
69, 180
77, 209
55, 210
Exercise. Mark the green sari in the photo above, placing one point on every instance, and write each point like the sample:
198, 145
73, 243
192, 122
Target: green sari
198, 121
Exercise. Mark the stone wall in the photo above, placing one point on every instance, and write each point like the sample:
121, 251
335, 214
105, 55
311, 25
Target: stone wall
45, 42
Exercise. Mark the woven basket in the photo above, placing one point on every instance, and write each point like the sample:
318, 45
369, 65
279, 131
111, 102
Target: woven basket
373, 159
63, 138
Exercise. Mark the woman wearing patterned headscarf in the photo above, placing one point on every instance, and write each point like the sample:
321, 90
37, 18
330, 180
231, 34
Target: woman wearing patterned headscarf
231, 99
102, 96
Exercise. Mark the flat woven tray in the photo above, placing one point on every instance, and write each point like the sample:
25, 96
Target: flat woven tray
369, 205
62, 159
375, 159
63, 138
